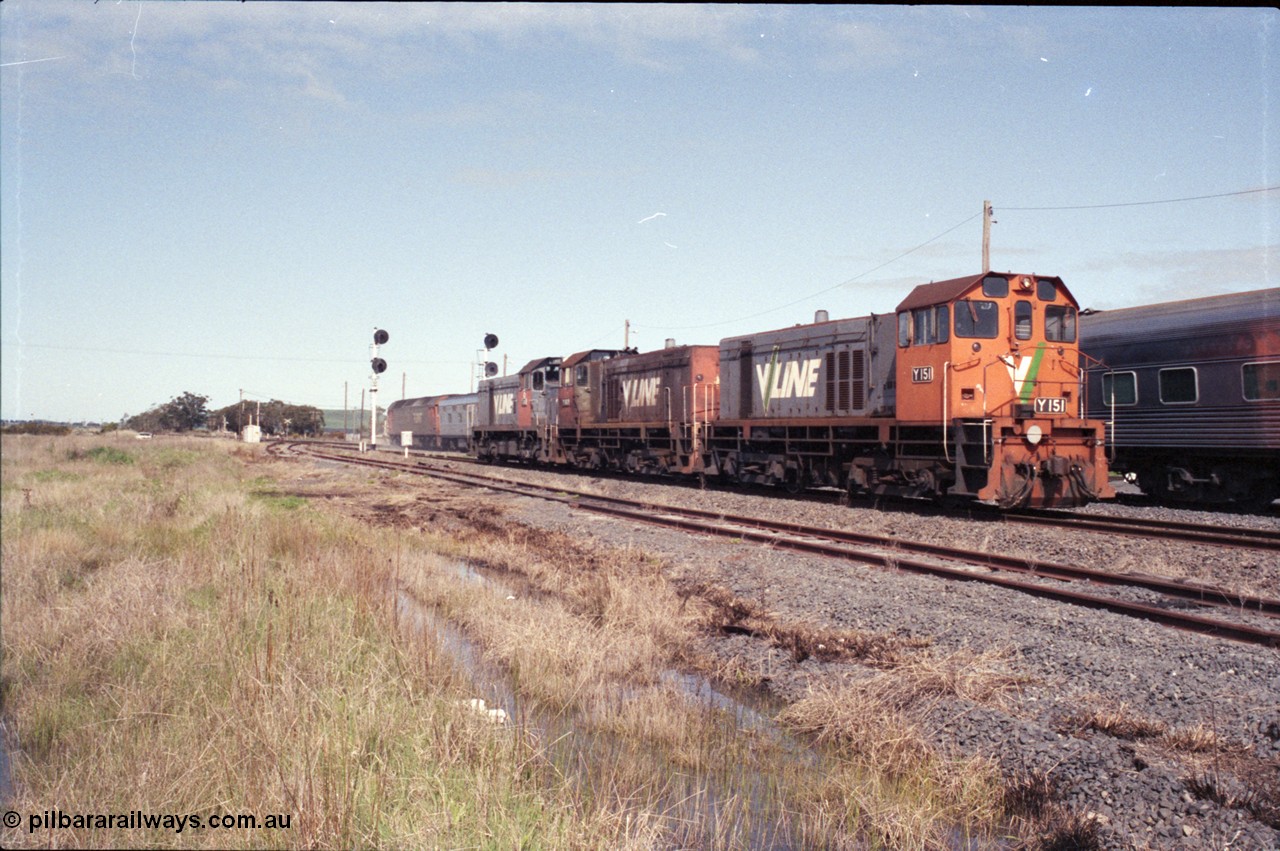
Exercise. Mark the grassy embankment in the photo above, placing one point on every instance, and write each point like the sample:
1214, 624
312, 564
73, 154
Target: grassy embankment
181, 636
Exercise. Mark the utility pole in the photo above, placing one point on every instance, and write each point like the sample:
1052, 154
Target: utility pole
626, 335
987, 222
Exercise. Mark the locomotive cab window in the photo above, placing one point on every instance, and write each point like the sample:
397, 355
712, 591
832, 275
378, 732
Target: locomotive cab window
1261, 381
1045, 290
1120, 388
537, 380
1178, 386
925, 322
1022, 320
977, 318
1060, 323
904, 328
995, 286
582, 374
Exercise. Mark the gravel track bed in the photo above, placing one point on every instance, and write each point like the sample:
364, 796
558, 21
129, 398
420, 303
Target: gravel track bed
1143, 791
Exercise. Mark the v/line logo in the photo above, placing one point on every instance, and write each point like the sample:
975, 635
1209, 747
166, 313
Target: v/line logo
794, 379
641, 392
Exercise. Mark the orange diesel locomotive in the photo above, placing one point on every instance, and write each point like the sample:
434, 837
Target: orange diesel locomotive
972, 390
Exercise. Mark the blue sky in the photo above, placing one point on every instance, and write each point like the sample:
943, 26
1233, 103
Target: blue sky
216, 197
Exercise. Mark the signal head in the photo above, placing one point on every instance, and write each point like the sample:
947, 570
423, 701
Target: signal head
380, 336
490, 341
490, 369
379, 365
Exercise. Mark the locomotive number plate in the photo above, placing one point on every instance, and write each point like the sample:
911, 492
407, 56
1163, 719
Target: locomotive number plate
1051, 406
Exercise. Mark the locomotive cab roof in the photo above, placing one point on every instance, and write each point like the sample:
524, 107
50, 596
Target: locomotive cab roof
539, 363
589, 355
945, 292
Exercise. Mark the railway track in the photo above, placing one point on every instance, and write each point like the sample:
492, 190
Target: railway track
1168, 604
1195, 533
1164, 530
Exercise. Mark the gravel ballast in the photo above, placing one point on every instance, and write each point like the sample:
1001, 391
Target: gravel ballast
1158, 737
1146, 788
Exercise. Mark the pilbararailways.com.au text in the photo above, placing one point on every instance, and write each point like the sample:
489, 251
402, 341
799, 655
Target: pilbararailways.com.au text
138, 820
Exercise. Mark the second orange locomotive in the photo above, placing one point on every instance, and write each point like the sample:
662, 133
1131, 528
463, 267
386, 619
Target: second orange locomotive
971, 390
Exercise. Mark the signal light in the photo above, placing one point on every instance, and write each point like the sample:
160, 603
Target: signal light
380, 336
379, 365
490, 369
490, 341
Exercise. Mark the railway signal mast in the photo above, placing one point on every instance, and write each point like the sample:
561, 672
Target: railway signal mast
486, 368
379, 366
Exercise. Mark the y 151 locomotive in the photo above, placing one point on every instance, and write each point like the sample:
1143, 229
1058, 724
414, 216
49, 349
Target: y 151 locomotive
972, 390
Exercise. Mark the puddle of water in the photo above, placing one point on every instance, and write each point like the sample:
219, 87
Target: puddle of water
721, 806
6, 776
743, 807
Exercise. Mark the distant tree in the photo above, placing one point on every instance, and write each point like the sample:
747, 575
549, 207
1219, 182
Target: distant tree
185, 412
146, 421
39, 428
182, 413
304, 420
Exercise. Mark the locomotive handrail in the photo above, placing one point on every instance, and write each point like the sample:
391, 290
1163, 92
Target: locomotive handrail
1110, 403
946, 365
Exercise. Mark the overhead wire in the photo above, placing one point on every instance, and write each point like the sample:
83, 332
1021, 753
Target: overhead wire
910, 251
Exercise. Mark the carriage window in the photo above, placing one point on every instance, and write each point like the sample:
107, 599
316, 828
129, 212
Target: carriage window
994, 286
1119, 388
904, 328
1261, 381
1060, 324
1022, 320
943, 323
977, 319
926, 334
1178, 386
1045, 290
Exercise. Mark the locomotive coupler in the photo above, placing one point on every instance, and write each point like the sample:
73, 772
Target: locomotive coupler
1056, 467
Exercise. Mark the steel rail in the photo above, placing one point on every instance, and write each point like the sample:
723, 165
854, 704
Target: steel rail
829, 542
1263, 539
1166, 617
1240, 537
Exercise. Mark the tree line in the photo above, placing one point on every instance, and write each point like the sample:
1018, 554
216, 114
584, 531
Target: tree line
190, 412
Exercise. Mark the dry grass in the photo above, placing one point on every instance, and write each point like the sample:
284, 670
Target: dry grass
179, 638
901, 790
724, 611
186, 630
